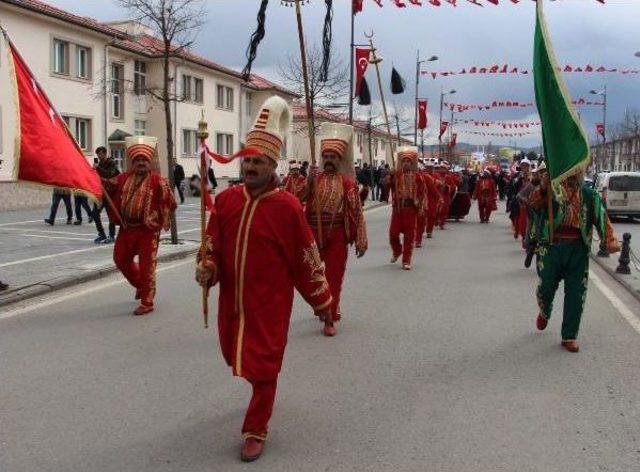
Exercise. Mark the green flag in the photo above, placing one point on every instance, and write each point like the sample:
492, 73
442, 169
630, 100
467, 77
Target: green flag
566, 147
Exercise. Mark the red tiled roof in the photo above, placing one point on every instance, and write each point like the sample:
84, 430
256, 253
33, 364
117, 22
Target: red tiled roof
144, 45
45, 9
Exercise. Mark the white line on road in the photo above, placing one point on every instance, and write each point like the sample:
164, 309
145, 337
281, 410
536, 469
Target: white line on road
617, 303
21, 222
91, 289
66, 238
49, 256
46, 231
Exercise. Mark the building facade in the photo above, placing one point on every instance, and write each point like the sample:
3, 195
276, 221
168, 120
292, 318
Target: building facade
619, 155
105, 80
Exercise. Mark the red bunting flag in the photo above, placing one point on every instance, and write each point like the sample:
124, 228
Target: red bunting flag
454, 139
357, 6
46, 153
443, 128
362, 62
600, 129
422, 114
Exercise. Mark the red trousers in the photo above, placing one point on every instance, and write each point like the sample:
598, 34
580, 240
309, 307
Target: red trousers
403, 220
521, 222
141, 242
334, 254
432, 216
443, 211
421, 225
256, 421
485, 209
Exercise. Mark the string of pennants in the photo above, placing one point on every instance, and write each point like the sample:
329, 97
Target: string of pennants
359, 4
463, 107
501, 135
504, 124
507, 69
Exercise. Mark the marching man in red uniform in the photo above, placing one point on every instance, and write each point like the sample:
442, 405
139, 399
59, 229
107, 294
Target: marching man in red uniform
426, 220
408, 193
259, 247
295, 182
448, 191
334, 211
486, 194
145, 201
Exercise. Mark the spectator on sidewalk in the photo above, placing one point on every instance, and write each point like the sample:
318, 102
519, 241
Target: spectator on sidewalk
80, 202
178, 180
106, 169
65, 196
213, 183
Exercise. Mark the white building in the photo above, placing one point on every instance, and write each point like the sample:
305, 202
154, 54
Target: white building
102, 77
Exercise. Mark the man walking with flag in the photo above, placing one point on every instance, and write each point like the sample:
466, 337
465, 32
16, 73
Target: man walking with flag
567, 209
258, 246
145, 201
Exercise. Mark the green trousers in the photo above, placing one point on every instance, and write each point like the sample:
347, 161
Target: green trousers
569, 262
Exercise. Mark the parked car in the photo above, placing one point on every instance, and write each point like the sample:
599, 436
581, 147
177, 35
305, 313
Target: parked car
620, 193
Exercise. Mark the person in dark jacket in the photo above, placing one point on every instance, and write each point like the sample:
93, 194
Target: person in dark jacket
65, 196
106, 169
178, 180
80, 202
213, 183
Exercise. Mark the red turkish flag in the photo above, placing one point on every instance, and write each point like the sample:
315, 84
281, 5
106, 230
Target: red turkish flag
454, 140
46, 153
600, 129
443, 127
362, 62
357, 6
422, 114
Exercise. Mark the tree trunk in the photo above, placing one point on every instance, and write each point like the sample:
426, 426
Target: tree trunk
166, 99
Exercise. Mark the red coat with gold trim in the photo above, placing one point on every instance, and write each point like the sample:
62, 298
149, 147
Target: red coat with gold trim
295, 185
261, 248
433, 194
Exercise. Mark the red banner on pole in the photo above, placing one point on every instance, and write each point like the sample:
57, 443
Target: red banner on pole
443, 127
454, 140
600, 129
46, 153
362, 62
357, 6
422, 114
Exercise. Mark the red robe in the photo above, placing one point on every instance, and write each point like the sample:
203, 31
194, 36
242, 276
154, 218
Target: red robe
334, 198
486, 194
408, 195
295, 184
145, 207
427, 219
261, 248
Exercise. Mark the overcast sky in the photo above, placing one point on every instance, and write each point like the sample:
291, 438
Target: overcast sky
583, 32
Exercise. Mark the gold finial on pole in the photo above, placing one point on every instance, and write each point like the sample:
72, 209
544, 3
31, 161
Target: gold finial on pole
203, 134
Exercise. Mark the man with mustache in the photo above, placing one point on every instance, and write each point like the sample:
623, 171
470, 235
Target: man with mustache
486, 194
408, 195
426, 220
295, 182
449, 184
144, 201
334, 211
258, 246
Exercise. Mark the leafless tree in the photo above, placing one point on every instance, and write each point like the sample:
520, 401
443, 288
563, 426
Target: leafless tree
176, 24
321, 92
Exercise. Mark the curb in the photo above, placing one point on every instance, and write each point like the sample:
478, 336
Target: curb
634, 292
64, 282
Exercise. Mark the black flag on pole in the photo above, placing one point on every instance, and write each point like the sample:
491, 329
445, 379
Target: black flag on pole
364, 97
397, 82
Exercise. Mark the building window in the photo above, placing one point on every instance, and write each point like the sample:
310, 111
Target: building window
139, 78
83, 62
117, 91
192, 89
189, 142
60, 57
224, 143
140, 127
224, 97
248, 103
80, 128
199, 90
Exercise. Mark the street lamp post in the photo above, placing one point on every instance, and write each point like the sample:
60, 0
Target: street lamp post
442, 95
603, 92
418, 62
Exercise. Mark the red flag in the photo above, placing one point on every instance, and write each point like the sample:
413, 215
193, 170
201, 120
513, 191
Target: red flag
362, 62
357, 6
600, 129
443, 128
422, 114
46, 153
454, 139
399, 3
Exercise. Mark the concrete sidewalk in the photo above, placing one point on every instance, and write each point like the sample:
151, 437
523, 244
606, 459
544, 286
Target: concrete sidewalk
36, 258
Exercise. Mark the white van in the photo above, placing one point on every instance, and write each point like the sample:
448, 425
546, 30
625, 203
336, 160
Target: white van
620, 193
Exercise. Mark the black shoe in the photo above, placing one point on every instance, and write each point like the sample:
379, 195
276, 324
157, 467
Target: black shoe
528, 259
49, 222
90, 220
69, 222
77, 223
3, 286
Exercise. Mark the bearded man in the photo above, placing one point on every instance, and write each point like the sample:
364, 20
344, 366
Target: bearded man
295, 182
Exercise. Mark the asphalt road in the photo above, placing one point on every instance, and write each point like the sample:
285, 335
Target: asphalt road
437, 369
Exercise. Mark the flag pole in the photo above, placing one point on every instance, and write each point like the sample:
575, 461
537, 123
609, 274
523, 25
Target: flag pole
376, 61
351, 64
203, 134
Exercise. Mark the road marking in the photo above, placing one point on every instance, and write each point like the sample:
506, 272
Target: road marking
88, 290
66, 238
21, 222
45, 231
49, 256
617, 303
